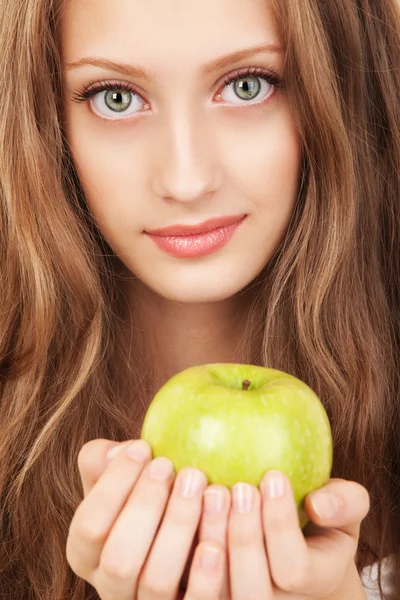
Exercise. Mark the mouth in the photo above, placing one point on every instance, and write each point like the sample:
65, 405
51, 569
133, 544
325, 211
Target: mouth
193, 245
206, 226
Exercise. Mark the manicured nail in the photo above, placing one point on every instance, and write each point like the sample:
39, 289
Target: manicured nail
115, 450
161, 468
138, 450
191, 482
274, 485
242, 497
214, 501
325, 504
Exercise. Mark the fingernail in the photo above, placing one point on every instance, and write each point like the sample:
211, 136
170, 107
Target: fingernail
115, 449
161, 468
242, 497
274, 484
191, 482
214, 501
138, 450
326, 505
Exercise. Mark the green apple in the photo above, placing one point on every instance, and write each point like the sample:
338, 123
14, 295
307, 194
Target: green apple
235, 422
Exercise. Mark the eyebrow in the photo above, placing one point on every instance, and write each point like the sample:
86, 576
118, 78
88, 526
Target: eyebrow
137, 72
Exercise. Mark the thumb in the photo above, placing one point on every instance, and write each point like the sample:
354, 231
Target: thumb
340, 504
93, 461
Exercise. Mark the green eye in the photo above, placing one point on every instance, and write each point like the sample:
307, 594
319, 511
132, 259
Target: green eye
247, 88
118, 100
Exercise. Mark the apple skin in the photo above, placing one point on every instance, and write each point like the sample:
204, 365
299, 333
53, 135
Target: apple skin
202, 417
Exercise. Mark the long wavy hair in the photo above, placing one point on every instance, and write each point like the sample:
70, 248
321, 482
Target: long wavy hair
327, 305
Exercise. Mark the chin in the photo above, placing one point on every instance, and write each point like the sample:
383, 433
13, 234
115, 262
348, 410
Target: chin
197, 294
192, 285
212, 279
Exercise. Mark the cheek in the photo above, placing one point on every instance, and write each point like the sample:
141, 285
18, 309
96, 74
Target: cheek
109, 174
266, 158
266, 170
101, 154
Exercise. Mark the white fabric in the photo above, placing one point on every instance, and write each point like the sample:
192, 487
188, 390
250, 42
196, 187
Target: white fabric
369, 578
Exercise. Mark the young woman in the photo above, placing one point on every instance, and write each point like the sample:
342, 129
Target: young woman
128, 131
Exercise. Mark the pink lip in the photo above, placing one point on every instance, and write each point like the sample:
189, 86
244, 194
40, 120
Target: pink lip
199, 228
200, 244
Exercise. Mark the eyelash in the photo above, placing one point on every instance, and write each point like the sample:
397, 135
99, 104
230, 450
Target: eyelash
94, 87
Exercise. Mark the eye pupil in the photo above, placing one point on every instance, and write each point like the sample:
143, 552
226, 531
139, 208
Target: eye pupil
248, 86
118, 100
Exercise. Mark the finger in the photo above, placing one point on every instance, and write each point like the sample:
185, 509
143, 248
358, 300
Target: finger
206, 573
165, 565
287, 550
214, 524
130, 540
341, 504
334, 545
97, 513
185, 577
249, 573
92, 460
314, 565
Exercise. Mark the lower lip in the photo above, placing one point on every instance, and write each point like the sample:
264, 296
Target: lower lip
196, 245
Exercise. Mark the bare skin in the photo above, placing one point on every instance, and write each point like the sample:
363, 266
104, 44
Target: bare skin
182, 154
188, 149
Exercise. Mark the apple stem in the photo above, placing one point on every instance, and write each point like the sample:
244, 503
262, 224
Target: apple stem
246, 384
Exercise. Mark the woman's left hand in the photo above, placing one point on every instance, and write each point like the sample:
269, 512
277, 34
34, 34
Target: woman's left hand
268, 555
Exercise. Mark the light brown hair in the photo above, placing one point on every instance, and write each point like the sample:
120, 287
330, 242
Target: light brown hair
327, 304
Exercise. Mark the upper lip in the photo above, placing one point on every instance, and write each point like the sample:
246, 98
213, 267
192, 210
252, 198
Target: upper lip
197, 228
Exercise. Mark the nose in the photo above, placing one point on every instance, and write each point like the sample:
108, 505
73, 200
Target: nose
187, 168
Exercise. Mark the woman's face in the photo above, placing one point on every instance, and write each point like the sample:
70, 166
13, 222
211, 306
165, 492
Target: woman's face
180, 145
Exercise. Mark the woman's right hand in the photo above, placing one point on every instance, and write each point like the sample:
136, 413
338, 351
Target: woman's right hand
131, 536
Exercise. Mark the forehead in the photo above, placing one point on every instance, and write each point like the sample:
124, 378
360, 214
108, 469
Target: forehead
164, 31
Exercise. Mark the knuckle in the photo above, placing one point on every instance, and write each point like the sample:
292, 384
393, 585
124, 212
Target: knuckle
73, 560
153, 587
89, 530
241, 535
115, 569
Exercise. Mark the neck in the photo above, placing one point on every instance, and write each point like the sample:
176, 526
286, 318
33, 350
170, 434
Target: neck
171, 336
